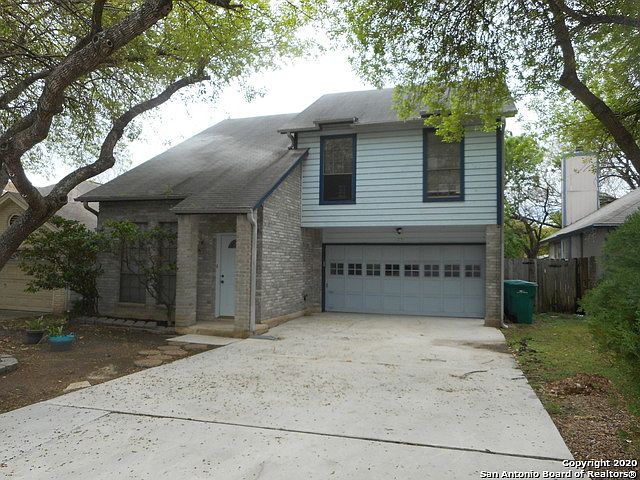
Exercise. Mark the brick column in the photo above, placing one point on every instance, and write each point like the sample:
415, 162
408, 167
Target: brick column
187, 273
494, 276
243, 276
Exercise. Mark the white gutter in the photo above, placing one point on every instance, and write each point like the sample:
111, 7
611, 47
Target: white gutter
254, 262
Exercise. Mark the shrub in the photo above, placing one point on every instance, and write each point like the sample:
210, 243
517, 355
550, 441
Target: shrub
613, 306
65, 257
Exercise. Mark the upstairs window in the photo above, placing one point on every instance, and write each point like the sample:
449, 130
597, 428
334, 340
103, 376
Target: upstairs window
338, 169
443, 169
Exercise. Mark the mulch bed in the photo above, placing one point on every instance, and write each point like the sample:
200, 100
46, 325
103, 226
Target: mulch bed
99, 354
593, 420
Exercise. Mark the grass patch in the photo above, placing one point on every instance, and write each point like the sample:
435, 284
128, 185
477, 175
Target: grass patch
598, 423
558, 346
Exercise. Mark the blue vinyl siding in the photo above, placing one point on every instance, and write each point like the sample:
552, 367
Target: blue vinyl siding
389, 183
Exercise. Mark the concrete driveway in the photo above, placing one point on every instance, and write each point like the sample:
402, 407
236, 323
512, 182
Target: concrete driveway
336, 396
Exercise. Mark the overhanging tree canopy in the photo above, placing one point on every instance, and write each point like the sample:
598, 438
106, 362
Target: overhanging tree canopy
457, 58
75, 74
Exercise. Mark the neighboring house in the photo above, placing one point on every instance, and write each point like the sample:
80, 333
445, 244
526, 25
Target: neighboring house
13, 281
586, 237
341, 207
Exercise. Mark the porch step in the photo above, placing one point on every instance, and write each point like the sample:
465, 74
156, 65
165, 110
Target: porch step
219, 329
202, 340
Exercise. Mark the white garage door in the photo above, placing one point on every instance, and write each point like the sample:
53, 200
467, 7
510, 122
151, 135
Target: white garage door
438, 280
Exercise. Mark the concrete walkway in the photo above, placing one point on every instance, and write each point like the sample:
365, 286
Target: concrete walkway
336, 396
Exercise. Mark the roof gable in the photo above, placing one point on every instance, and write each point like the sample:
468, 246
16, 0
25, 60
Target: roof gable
227, 167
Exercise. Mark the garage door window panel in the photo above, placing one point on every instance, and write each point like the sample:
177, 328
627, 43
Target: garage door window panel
338, 169
373, 269
432, 270
336, 268
443, 169
392, 270
472, 271
451, 270
354, 269
412, 270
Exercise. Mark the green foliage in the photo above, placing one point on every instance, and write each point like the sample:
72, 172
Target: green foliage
515, 238
456, 59
228, 45
36, 324
142, 252
613, 306
55, 330
532, 197
66, 257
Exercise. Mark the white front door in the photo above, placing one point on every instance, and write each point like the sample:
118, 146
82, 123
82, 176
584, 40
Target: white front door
226, 294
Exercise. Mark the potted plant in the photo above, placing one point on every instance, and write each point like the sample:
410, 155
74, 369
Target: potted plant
58, 340
35, 330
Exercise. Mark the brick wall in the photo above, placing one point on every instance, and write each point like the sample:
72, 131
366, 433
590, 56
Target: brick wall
290, 257
243, 274
494, 275
150, 212
312, 254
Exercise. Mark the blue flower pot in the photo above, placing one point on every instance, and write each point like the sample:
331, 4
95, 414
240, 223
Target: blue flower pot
61, 343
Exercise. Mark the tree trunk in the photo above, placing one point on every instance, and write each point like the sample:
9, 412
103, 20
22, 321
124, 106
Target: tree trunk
18, 231
4, 179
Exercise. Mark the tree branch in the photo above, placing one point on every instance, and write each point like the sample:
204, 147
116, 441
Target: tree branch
106, 158
10, 95
75, 65
570, 80
530, 221
587, 18
96, 16
226, 4
4, 179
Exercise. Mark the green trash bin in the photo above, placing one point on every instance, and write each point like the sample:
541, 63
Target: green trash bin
519, 299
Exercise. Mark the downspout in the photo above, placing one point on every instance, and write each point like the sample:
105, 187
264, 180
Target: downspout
89, 208
254, 262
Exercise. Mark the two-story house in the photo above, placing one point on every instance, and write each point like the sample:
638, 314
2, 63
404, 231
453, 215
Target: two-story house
340, 208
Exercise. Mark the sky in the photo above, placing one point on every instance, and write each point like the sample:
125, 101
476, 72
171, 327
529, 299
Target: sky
289, 89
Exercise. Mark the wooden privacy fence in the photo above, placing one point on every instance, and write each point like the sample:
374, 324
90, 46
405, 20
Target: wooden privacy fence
561, 283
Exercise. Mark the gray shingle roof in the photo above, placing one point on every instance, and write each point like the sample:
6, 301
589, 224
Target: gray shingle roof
365, 107
229, 167
611, 215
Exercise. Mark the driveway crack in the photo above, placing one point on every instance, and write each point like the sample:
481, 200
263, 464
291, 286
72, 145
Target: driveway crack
321, 434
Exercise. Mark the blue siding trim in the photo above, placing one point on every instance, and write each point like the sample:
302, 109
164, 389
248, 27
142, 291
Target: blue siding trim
499, 174
425, 160
390, 183
353, 175
281, 179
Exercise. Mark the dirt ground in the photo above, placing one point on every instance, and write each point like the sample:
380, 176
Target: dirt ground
99, 354
593, 420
